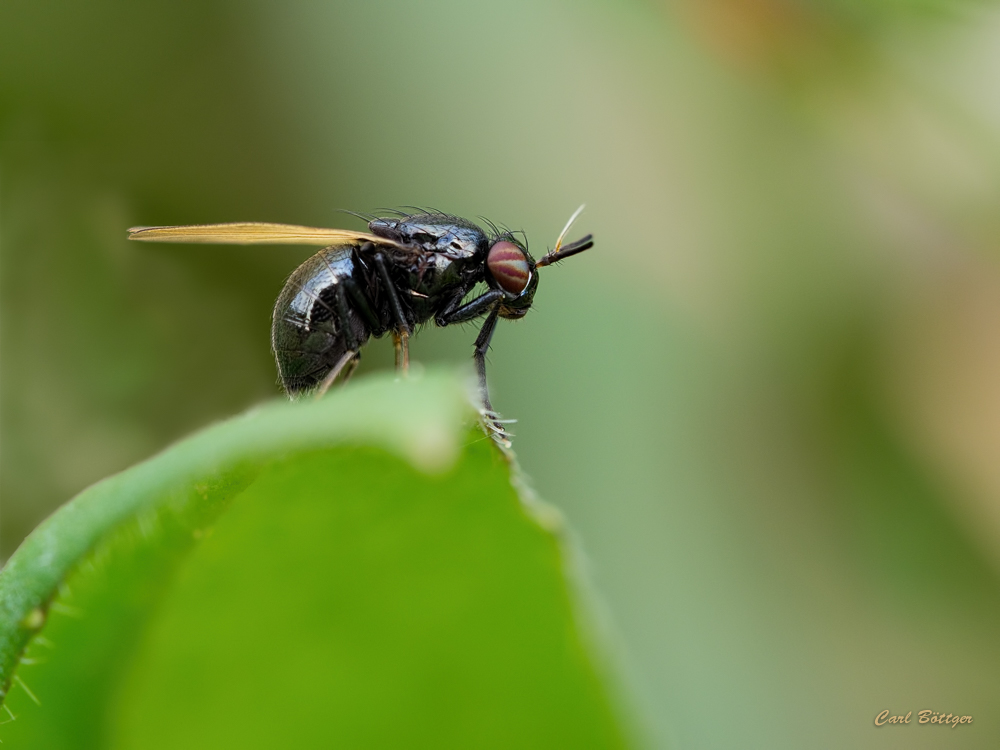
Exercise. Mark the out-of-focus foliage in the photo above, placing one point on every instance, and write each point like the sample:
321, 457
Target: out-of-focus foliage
281, 579
767, 399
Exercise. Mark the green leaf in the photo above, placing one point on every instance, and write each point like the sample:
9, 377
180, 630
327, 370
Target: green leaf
353, 572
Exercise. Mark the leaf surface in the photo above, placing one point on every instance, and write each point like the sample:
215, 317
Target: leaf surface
354, 572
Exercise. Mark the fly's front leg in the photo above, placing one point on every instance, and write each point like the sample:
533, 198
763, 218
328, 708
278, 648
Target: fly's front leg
401, 333
492, 420
472, 309
479, 355
490, 301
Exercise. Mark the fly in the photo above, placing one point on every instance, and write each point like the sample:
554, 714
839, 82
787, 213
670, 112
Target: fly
406, 270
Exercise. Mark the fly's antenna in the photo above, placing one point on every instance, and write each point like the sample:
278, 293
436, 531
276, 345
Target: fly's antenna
572, 219
561, 252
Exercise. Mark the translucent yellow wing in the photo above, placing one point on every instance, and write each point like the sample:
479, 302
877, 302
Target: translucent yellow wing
254, 233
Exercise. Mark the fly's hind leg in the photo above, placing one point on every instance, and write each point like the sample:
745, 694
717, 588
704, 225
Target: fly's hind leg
345, 365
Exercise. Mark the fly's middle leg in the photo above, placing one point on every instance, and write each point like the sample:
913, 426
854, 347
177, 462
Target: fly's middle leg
401, 343
401, 331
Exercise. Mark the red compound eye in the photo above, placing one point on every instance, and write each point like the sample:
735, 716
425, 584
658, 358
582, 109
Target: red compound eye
509, 266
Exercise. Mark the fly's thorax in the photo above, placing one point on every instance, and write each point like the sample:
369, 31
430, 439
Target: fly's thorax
431, 281
433, 233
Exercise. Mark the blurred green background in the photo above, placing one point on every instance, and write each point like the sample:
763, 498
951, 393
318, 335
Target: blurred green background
768, 400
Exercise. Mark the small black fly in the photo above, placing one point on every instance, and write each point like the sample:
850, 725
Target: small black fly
409, 269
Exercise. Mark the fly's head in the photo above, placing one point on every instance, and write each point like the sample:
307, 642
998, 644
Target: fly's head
511, 268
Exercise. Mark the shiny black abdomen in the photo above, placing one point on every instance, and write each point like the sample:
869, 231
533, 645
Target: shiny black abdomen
308, 331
